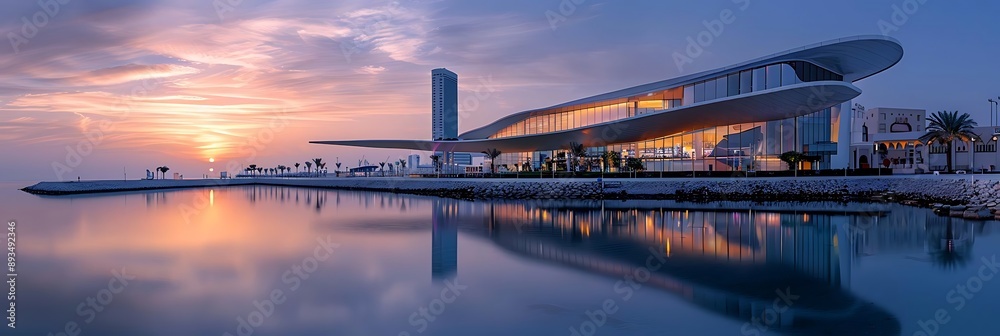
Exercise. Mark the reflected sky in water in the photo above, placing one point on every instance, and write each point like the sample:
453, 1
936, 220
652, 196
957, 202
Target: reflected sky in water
202, 258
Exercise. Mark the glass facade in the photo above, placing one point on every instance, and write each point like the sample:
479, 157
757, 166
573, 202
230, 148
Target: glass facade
749, 146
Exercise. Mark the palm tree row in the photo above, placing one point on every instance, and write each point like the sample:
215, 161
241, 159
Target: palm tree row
254, 169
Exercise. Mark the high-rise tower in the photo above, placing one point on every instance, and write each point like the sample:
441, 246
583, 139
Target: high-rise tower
444, 95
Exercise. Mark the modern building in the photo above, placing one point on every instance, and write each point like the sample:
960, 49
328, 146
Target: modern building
733, 118
444, 112
462, 159
413, 161
444, 104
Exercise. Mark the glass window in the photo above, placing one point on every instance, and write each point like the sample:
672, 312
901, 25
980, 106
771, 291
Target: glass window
759, 77
746, 82
720, 87
800, 68
688, 97
710, 89
788, 75
773, 76
699, 92
734, 85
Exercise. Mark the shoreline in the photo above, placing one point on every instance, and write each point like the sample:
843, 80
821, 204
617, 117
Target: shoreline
919, 191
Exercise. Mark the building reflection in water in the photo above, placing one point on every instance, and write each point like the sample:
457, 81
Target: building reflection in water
732, 262
728, 261
444, 239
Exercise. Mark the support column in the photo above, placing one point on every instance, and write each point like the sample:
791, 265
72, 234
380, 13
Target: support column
840, 115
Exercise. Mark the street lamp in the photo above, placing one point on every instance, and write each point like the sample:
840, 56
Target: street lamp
972, 155
993, 110
996, 107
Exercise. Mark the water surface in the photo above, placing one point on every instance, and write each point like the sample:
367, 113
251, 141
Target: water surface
289, 261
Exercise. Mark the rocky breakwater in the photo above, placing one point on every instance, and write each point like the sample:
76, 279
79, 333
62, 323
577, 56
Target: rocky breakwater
913, 191
916, 191
981, 201
559, 189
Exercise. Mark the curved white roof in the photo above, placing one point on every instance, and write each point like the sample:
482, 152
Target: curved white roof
855, 58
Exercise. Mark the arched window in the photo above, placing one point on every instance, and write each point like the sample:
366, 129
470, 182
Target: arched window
864, 133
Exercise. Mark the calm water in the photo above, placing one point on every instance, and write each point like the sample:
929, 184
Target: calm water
284, 261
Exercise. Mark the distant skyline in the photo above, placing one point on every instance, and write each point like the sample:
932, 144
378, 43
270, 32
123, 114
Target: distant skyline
175, 83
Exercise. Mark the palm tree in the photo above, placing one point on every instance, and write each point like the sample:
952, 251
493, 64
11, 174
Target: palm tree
611, 159
296, 167
382, 167
260, 170
578, 152
946, 127
492, 154
323, 167
309, 165
947, 250
338, 166
402, 165
634, 164
252, 168
165, 169
318, 162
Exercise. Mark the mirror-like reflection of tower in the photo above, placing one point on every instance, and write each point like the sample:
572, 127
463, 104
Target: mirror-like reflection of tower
444, 239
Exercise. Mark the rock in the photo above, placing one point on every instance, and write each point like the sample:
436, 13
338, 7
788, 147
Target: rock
977, 214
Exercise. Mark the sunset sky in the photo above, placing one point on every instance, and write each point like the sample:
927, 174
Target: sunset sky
140, 84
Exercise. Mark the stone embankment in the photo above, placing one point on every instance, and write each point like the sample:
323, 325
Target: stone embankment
981, 201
